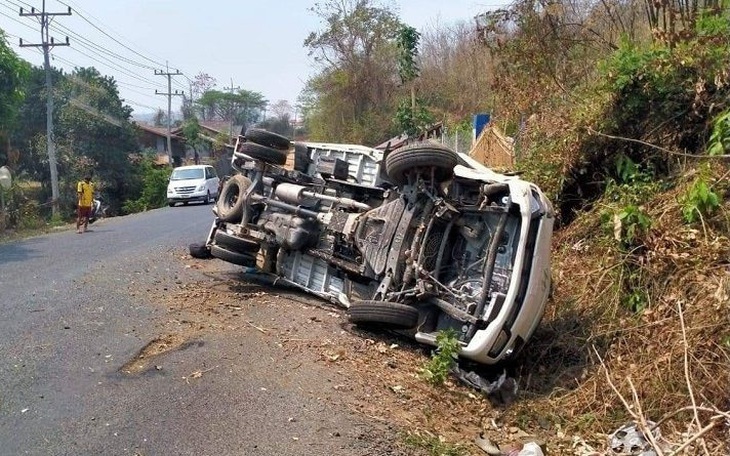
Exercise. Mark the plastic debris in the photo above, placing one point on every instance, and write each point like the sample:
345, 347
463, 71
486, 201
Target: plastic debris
629, 440
531, 449
502, 391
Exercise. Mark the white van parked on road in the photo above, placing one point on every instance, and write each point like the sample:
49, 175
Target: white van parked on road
192, 183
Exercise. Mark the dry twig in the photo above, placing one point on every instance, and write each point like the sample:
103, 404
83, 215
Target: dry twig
638, 415
687, 375
256, 327
654, 146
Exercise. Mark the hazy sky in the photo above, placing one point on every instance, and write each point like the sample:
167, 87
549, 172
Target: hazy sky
256, 44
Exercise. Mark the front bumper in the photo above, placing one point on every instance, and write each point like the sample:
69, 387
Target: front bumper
193, 196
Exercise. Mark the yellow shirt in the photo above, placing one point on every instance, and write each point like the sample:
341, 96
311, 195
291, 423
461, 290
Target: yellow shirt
86, 193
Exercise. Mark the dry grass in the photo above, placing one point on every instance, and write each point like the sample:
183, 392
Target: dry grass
596, 364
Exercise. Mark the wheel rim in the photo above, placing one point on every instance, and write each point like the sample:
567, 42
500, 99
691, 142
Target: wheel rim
231, 199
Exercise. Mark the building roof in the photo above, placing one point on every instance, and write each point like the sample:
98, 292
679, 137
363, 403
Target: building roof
220, 126
159, 131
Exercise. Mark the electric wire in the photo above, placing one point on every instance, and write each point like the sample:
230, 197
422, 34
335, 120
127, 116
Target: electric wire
15, 19
126, 100
97, 50
123, 100
78, 11
91, 46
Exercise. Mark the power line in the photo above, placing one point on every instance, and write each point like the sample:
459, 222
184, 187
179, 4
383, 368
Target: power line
132, 102
125, 100
112, 65
91, 45
135, 86
78, 10
16, 20
108, 35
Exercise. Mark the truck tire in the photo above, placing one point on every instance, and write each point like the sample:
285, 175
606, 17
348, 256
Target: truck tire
230, 201
199, 250
235, 243
264, 153
382, 313
267, 138
401, 162
240, 259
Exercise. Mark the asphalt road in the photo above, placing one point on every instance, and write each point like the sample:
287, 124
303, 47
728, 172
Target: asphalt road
77, 308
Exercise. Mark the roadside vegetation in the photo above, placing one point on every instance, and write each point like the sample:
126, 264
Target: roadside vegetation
619, 110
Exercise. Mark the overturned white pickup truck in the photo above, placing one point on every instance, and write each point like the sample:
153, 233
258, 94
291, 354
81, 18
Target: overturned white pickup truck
419, 238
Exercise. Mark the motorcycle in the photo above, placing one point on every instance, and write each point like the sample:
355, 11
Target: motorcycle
98, 210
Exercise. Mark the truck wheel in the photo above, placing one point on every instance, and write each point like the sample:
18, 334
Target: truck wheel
198, 250
382, 313
401, 162
230, 202
240, 259
234, 243
264, 153
267, 138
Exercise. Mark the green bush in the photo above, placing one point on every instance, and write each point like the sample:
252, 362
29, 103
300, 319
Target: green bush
699, 201
720, 136
444, 357
153, 181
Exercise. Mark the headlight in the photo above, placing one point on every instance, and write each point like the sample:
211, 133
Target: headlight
201, 187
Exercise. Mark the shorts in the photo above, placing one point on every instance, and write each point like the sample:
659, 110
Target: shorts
83, 211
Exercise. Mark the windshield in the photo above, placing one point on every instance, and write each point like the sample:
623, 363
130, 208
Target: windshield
181, 174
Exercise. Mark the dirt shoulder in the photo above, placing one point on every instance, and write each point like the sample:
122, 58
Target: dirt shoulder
378, 371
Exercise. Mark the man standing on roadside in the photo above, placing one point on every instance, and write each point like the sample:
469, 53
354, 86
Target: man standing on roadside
85, 190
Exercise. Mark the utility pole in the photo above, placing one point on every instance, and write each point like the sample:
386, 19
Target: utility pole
230, 90
169, 94
48, 43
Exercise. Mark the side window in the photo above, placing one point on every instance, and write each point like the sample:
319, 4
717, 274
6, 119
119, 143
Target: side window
208, 174
211, 172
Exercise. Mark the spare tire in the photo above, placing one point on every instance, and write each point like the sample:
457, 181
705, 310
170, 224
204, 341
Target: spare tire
401, 162
199, 250
264, 153
267, 138
230, 201
383, 313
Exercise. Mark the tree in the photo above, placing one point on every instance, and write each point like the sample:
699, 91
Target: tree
191, 133
353, 92
280, 121
411, 117
13, 74
28, 135
281, 108
94, 134
201, 83
243, 107
160, 118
